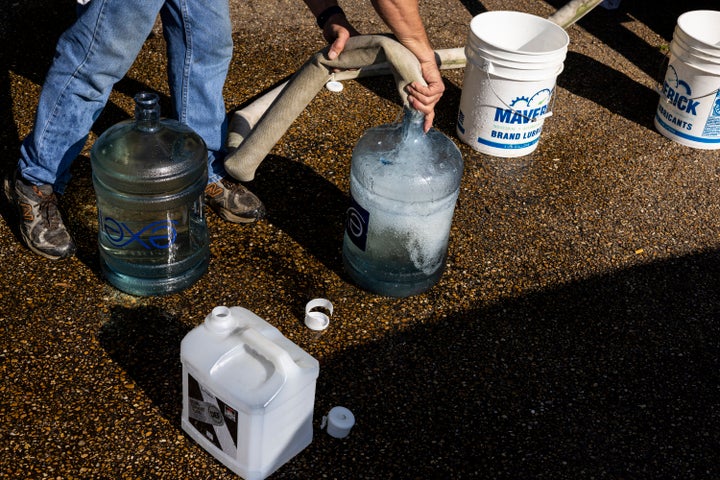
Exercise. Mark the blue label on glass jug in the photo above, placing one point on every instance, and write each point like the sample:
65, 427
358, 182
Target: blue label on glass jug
156, 235
356, 224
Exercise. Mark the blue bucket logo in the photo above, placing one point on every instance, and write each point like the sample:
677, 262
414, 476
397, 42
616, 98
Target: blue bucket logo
678, 94
518, 123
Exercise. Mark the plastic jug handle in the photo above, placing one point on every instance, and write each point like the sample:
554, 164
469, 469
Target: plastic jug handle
269, 349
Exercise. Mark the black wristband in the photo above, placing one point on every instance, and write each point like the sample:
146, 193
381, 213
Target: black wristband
327, 13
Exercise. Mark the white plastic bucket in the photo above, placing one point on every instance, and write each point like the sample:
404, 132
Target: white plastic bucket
513, 60
701, 26
689, 108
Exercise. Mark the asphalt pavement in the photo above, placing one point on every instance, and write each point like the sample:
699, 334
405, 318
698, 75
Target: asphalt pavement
574, 334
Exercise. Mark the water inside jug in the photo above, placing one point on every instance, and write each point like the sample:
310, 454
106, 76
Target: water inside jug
404, 184
149, 176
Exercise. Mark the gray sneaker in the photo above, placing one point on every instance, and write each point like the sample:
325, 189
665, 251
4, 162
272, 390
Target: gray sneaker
233, 202
41, 225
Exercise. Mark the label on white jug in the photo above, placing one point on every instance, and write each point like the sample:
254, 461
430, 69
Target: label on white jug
214, 419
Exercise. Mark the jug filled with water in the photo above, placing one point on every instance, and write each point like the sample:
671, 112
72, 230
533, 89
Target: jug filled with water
404, 184
149, 176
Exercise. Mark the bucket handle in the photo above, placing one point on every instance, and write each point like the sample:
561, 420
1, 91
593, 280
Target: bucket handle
487, 66
659, 84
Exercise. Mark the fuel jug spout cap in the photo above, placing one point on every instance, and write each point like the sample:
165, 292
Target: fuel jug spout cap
220, 320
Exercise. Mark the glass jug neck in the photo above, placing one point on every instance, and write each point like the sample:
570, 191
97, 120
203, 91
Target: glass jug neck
147, 112
412, 123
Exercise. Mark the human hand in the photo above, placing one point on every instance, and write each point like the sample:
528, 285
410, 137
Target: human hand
423, 98
336, 32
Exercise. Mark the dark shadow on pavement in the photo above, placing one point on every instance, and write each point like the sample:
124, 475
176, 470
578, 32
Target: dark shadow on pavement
304, 205
145, 343
609, 88
28, 32
610, 377
474, 7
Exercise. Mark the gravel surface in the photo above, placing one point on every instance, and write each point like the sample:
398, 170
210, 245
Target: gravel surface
573, 335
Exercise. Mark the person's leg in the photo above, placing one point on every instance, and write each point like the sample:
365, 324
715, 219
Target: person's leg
199, 39
199, 42
91, 56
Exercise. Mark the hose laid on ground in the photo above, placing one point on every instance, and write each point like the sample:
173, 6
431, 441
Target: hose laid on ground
245, 119
360, 51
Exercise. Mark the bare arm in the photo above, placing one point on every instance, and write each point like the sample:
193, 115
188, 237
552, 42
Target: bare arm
403, 18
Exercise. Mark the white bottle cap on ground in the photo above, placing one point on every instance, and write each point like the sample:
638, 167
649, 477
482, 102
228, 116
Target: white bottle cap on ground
334, 86
339, 422
316, 320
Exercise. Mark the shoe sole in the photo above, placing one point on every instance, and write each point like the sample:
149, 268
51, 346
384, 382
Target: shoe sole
230, 217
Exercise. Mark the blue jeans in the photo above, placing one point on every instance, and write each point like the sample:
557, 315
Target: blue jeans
97, 51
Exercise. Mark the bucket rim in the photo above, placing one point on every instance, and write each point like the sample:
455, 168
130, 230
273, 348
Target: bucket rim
559, 57
522, 57
682, 20
682, 42
691, 45
709, 67
524, 67
553, 27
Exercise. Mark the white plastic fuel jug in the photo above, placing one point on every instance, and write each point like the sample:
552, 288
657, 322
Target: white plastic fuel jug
248, 392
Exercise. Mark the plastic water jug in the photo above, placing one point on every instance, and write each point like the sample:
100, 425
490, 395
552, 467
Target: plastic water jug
403, 186
248, 392
149, 176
